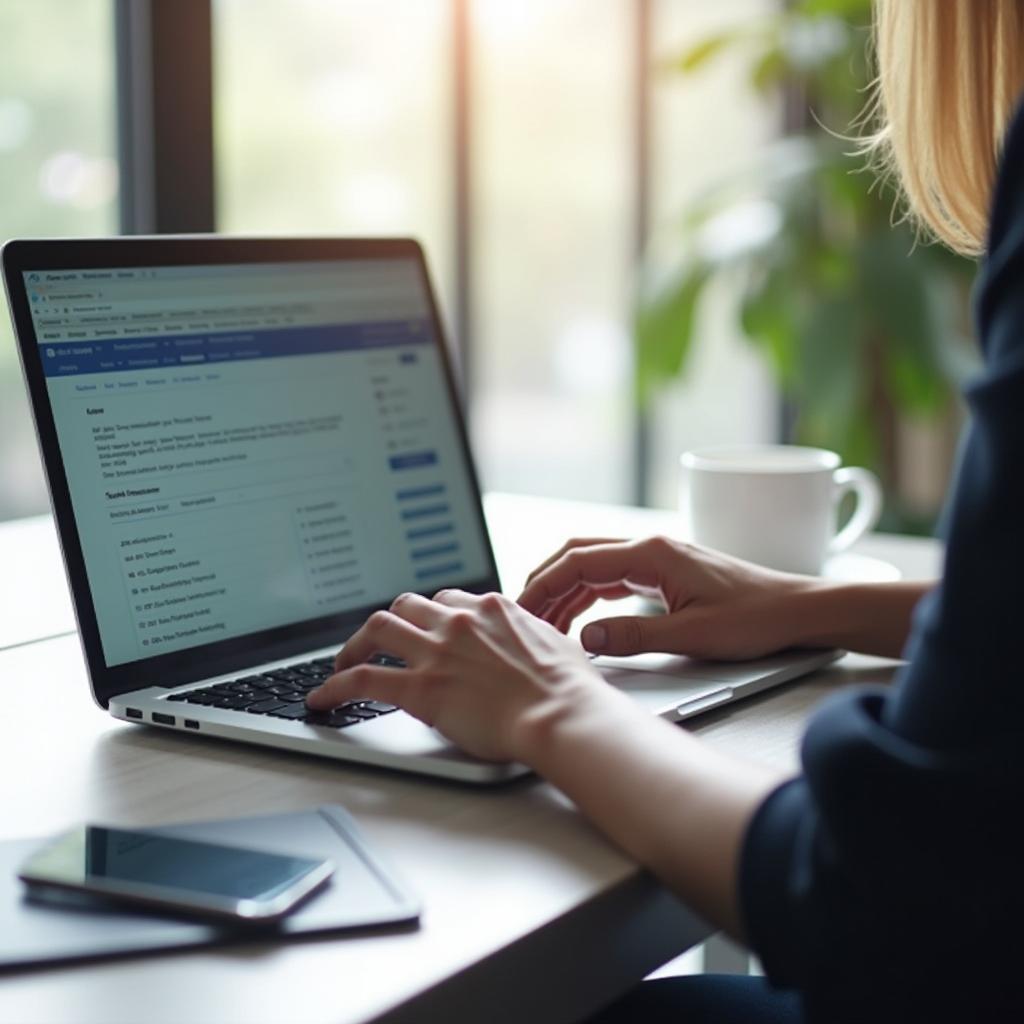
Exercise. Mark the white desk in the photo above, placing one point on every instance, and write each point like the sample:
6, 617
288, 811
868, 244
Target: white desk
528, 913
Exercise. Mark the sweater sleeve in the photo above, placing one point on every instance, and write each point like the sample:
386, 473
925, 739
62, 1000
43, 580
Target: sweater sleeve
887, 882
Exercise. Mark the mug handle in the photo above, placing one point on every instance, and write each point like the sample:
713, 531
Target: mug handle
864, 484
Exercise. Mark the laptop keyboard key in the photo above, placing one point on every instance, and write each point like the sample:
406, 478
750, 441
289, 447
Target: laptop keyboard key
339, 720
283, 676
360, 712
292, 711
266, 707
238, 701
331, 719
282, 694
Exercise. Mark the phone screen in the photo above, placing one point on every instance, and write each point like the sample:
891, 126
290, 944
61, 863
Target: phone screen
176, 872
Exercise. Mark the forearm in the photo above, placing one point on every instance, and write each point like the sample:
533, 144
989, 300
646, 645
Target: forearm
872, 618
667, 799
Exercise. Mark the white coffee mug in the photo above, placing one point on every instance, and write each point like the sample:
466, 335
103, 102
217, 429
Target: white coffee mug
776, 505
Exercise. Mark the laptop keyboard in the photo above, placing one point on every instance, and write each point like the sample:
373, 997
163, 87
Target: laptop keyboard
281, 693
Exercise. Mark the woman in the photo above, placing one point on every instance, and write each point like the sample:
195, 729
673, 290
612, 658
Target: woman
886, 882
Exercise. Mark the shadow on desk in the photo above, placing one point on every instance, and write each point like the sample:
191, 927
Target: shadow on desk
143, 776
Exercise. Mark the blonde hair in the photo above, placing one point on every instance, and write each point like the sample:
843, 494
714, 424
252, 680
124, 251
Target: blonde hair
950, 73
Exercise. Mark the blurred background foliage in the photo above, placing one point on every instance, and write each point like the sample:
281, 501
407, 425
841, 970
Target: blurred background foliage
864, 324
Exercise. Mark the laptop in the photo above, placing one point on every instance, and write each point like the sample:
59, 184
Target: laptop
250, 445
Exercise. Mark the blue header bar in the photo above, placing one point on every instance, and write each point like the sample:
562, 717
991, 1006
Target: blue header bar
113, 355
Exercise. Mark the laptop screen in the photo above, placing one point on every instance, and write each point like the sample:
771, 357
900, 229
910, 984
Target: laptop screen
249, 446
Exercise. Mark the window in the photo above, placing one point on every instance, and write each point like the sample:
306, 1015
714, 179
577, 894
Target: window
334, 118
553, 238
58, 176
339, 118
727, 395
327, 123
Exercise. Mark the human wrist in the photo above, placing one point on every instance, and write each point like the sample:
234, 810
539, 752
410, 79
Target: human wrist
829, 614
539, 730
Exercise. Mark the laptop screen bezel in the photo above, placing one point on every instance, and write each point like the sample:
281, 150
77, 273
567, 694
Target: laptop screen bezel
239, 652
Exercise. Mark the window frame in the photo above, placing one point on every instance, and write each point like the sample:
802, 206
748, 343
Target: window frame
164, 55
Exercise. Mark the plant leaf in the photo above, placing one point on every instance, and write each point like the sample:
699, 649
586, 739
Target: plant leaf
768, 70
694, 57
830, 373
858, 11
664, 331
767, 315
895, 290
699, 54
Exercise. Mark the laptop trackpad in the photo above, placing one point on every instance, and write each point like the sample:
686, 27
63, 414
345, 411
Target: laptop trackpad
660, 693
685, 686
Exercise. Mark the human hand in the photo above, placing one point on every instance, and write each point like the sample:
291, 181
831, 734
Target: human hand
716, 606
479, 668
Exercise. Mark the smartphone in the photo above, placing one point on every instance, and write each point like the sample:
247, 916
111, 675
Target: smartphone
206, 879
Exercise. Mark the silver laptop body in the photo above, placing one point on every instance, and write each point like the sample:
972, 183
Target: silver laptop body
674, 688
251, 444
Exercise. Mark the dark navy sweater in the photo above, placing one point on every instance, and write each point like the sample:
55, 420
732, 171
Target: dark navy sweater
886, 883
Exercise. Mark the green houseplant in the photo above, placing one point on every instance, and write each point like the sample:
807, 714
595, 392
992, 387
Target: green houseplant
863, 324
